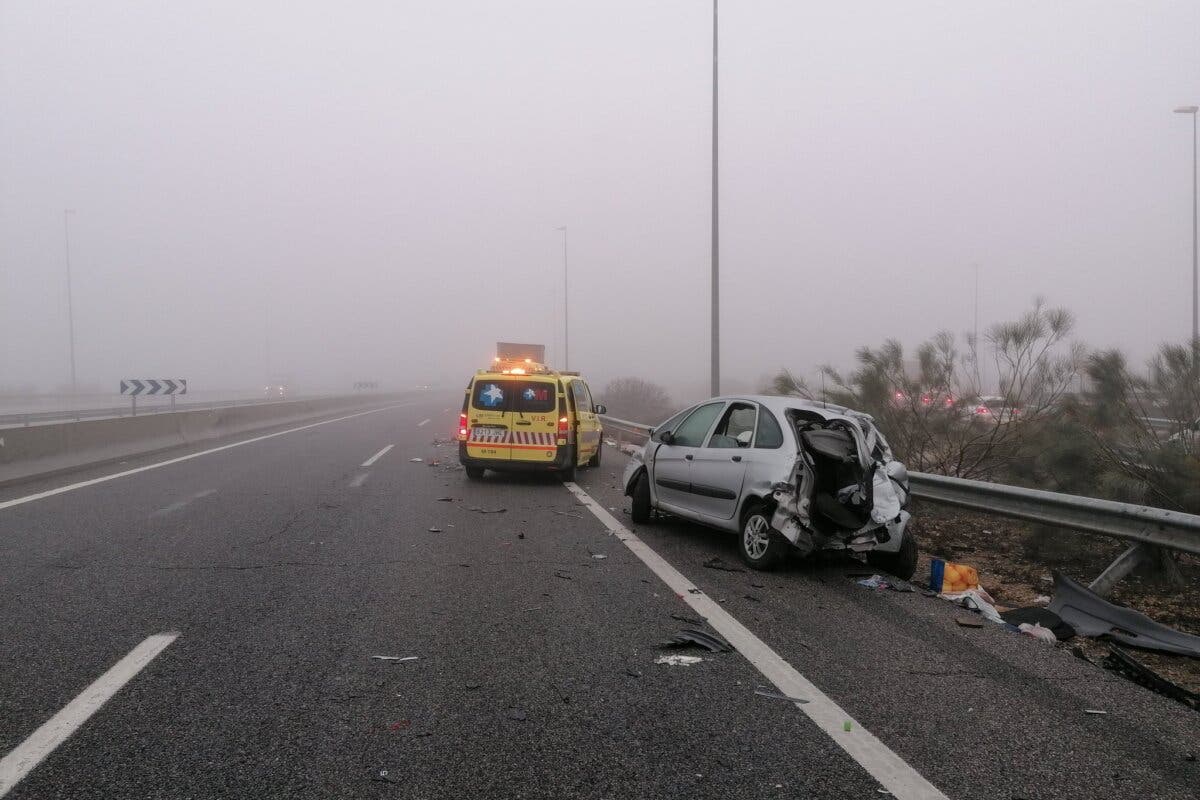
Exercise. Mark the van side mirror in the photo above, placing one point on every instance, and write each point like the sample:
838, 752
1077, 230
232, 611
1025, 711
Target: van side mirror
601, 409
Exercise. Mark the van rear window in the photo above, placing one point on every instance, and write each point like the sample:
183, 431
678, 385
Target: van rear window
534, 397
491, 395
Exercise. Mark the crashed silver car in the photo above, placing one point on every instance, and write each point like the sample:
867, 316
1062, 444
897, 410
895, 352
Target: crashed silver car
785, 474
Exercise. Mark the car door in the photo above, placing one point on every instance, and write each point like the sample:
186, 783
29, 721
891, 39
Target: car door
672, 471
534, 419
489, 418
719, 468
589, 423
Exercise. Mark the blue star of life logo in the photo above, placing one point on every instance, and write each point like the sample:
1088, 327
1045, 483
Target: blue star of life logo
529, 394
492, 396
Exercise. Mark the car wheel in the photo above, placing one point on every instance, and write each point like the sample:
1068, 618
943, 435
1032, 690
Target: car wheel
902, 563
760, 546
594, 461
641, 499
474, 473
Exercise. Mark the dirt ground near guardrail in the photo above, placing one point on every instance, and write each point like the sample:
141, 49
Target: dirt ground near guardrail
1015, 559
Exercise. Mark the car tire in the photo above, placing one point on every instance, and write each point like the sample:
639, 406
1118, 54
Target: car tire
901, 564
640, 512
760, 546
594, 461
474, 473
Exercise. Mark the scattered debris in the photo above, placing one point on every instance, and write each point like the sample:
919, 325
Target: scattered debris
975, 600
395, 658
435, 530
563, 575
487, 510
969, 621
471, 686
599, 555
678, 661
1035, 615
1035, 630
445, 499
758, 586
1126, 666
565, 514
689, 620
532, 608
520, 535
761, 692
946, 576
716, 563
752, 598
1042, 599
879, 582
1094, 711
688, 637
516, 713
381, 776
1091, 615
633, 673
846, 726
416, 460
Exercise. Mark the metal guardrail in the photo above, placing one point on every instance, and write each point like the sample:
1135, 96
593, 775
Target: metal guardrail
1155, 527
26, 419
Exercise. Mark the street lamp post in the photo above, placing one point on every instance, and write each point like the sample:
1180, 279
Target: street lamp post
715, 345
566, 306
70, 300
1195, 272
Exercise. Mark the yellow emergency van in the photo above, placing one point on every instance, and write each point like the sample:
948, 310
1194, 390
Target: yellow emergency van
522, 415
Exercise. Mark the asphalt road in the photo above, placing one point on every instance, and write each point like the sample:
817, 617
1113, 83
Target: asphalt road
285, 566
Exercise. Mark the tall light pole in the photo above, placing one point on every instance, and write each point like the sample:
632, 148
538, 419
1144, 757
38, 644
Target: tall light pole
1195, 275
67, 212
715, 346
566, 305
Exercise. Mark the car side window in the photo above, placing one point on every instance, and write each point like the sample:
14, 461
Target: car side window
584, 396
691, 431
736, 428
672, 423
769, 435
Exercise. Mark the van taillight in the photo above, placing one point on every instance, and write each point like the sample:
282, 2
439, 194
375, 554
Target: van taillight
462, 425
564, 426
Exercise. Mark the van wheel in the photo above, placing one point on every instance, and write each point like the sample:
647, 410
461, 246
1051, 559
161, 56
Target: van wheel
474, 473
902, 563
760, 546
641, 499
594, 461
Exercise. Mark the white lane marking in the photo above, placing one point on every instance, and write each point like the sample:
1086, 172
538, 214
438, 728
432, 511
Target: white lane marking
892, 772
423, 423
29, 753
182, 504
377, 456
83, 484
359, 480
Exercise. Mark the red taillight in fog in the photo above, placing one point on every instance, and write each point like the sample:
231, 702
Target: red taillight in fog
462, 425
564, 426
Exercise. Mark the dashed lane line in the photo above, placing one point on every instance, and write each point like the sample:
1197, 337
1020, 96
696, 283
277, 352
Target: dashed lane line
377, 456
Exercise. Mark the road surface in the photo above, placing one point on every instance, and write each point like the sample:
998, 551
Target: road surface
273, 573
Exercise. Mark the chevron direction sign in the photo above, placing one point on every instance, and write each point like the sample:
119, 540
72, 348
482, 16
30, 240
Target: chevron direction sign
153, 386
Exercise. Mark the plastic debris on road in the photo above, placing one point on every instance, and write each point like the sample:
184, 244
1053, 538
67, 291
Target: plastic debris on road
395, 658
880, 582
689, 637
416, 460
678, 661
969, 621
975, 600
435, 530
1127, 666
479, 510
716, 563
1036, 615
1038, 632
1091, 615
1094, 711
761, 692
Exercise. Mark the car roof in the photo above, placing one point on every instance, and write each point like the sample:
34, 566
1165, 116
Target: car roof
782, 403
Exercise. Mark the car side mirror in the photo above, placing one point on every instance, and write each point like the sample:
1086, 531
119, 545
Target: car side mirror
666, 437
601, 409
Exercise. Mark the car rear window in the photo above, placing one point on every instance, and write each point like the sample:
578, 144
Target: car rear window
534, 397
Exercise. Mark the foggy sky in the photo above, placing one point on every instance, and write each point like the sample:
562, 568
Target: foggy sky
374, 188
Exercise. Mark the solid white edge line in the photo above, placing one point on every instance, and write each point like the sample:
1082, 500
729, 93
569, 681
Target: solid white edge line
29, 753
92, 482
423, 423
892, 772
377, 456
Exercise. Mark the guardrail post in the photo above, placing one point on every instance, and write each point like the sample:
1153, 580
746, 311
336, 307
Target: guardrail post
1124, 564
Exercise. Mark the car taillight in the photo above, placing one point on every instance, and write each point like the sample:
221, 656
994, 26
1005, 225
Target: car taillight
462, 425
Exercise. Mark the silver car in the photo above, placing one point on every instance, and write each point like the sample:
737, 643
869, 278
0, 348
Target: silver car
785, 474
